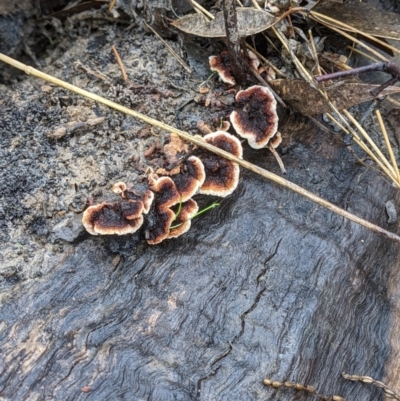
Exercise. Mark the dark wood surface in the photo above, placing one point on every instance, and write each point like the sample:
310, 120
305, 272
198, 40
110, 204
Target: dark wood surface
266, 285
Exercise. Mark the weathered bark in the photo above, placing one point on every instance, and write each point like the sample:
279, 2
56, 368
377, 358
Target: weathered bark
266, 285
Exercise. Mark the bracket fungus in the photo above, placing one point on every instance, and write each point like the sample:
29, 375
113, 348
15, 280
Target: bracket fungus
222, 175
147, 198
118, 218
182, 221
190, 178
161, 216
255, 117
222, 65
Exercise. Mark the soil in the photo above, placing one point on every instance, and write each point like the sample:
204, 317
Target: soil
266, 285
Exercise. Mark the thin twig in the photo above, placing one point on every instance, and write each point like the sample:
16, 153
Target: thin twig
355, 50
120, 63
197, 140
202, 10
350, 28
169, 48
111, 6
346, 35
388, 145
370, 141
364, 147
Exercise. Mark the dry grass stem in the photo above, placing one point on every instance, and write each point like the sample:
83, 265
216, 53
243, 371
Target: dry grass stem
375, 148
337, 23
350, 37
197, 140
393, 101
120, 63
111, 6
169, 48
389, 146
315, 54
366, 55
278, 159
200, 8
363, 146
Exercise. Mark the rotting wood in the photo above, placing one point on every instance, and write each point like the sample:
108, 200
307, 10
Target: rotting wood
197, 140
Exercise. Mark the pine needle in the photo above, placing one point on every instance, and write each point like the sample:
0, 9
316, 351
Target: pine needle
388, 145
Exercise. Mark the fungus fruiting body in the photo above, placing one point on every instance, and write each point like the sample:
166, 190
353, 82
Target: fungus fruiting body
182, 221
222, 66
255, 117
190, 178
161, 216
222, 175
118, 218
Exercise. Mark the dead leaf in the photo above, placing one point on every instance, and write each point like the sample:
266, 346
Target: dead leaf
363, 17
309, 101
250, 21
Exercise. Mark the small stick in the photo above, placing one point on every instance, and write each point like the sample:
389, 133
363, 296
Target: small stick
346, 35
355, 50
111, 6
180, 61
369, 140
364, 147
120, 63
388, 145
200, 8
278, 159
197, 140
352, 29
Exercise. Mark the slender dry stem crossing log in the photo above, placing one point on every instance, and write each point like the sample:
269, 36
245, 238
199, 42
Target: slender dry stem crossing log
197, 140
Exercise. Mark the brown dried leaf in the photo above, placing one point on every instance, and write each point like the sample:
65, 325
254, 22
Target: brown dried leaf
250, 21
309, 101
363, 17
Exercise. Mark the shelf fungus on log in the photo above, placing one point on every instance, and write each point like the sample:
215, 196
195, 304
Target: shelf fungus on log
118, 218
182, 222
147, 198
222, 175
255, 117
190, 178
222, 66
161, 216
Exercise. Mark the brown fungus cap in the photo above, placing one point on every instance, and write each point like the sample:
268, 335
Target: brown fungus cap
222, 176
182, 222
166, 194
118, 218
222, 65
158, 225
119, 188
255, 117
161, 216
147, 198
190, 178
276, 140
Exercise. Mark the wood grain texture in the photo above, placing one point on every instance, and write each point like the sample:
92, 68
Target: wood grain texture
267, 285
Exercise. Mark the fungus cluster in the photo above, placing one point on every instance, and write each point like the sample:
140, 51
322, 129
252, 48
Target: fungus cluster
166, 208
255, 117
168, 204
